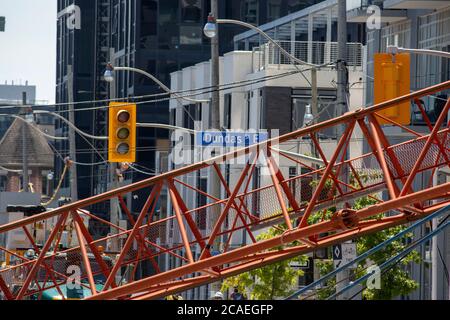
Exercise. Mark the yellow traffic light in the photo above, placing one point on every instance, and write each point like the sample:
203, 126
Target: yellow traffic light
392, 80
122, 132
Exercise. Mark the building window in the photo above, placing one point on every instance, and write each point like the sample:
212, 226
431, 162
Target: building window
250, 11
227, 111
173, 117
262, 110
256, 183
191, 11
296, 5
326, 109
273, 9
168, 29
397, 34
202, 184
190, 35
3, 183
306, 189
249, 106
292, 185
434, 34
149, 18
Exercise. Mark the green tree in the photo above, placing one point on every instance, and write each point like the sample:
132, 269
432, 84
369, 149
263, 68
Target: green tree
271, 281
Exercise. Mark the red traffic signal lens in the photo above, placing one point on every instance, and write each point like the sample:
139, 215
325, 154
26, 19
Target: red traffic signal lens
123, 133
123, 148
123, 116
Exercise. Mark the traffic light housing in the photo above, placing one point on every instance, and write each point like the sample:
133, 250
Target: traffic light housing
392, 80
122, 132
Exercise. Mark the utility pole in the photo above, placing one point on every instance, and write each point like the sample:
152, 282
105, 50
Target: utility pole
314, 108
23, 113
342, 72
342, 278
114, 183
215, 96
215, 120
72, 141
214, 184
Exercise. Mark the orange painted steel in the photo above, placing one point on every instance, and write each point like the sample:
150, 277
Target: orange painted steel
172, 231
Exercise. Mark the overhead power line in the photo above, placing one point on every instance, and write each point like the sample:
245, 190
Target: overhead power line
186, 93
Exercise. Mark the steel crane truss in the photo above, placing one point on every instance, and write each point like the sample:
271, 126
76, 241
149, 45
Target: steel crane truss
176, 245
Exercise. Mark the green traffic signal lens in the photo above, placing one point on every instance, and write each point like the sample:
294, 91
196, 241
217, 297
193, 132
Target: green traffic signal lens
123, 148
123, 133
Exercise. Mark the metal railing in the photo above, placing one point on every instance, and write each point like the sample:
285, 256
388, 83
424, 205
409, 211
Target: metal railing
316, 52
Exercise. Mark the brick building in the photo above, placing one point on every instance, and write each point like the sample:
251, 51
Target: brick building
40, 157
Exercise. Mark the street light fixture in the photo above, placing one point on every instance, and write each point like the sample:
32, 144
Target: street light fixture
308, 118
210, 29
109, 73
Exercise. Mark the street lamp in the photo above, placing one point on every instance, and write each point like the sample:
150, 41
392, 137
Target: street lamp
109, 73
109, 77
308, 118
210, 30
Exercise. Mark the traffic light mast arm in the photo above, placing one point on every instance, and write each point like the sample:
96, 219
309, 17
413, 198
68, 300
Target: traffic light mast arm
395, 50
164, 126
162, 85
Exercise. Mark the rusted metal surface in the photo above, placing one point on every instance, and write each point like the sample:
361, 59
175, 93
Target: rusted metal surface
178, 233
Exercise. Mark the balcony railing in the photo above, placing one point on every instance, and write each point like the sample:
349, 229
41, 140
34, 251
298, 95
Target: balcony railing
313, 52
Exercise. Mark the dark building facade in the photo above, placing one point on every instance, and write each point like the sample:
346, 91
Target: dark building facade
159, 37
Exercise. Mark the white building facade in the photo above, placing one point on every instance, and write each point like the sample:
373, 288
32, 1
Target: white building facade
257, 93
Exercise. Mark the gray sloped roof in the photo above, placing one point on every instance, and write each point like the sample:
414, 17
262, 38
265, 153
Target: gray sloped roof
39, 152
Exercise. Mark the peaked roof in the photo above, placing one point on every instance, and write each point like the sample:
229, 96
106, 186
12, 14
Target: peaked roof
39, 152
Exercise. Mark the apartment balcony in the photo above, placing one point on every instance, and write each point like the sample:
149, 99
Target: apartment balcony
315, 52
416, 4
357, 11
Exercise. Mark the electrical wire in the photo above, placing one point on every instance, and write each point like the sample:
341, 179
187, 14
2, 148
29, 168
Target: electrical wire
140, 171
190, 93
70, 124
34, 127
10, 170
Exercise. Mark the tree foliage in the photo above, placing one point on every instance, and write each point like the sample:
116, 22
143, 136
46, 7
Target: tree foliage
394, 281
271, 281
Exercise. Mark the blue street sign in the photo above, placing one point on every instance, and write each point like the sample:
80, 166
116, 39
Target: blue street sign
229, 138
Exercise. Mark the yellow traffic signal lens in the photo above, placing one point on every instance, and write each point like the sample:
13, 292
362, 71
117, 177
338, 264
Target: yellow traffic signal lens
123, 133
123, 148
123, 116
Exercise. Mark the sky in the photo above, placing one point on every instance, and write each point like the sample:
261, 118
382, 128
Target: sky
28, 45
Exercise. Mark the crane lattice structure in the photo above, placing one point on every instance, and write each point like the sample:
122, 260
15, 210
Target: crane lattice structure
244, 208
